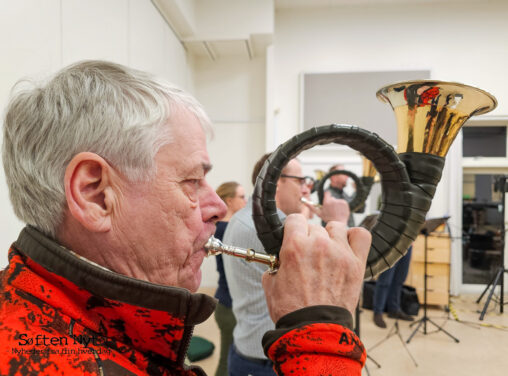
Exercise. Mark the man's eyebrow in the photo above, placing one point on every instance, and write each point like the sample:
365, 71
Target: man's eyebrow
197, 170
206, 167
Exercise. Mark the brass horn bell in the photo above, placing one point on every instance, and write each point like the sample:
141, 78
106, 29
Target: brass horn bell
430, 113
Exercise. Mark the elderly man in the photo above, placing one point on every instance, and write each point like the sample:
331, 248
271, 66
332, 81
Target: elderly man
246, 355
107, 166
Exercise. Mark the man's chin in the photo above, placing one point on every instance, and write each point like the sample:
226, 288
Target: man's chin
195, 282
193, 274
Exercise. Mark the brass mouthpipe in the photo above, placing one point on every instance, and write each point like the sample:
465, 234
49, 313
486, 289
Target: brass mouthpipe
215, 247
309, 202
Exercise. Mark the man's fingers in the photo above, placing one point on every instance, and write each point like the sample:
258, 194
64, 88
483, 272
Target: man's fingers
296, 230
316, 231
337, 230
295, 224
316, 210
266, 281
360, 240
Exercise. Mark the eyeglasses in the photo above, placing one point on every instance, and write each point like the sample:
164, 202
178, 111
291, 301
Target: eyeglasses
307, 180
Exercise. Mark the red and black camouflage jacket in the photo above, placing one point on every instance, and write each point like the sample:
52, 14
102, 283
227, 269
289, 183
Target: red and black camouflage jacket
62, 315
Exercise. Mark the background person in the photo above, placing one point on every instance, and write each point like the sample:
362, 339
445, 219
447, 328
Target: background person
233, 196
336, 188
246, 356
107, 166
387, 293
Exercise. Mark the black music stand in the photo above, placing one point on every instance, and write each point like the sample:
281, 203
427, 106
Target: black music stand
357, 331
429, 226
395, 331
498, 277
368, 222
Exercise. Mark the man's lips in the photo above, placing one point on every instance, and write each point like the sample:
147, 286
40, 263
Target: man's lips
203, 242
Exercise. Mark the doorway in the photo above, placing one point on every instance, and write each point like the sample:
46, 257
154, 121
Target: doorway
482, 226
484, 160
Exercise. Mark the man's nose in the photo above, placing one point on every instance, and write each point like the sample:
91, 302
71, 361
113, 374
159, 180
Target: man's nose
305, 189
212, 206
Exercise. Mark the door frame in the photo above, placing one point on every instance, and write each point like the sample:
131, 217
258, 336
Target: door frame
468, 165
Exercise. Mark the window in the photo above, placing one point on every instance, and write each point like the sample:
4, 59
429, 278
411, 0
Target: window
482, 226
484, 141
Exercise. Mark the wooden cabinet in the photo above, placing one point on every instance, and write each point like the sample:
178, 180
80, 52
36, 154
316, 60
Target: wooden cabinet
438, 268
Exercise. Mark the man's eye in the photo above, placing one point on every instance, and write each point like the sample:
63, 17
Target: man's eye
194, 182
191, 188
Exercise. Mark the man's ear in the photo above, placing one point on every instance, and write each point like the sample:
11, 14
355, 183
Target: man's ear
228, 200
89, 192
279, 183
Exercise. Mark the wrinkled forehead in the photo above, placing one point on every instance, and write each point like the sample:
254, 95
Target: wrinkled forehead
186, 149
178, 111
185, 126
293, 168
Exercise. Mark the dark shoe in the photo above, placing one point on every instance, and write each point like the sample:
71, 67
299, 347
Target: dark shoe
379, 321
400, 315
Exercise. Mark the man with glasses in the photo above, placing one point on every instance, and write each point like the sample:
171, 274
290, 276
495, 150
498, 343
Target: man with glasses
304, 180
246, 356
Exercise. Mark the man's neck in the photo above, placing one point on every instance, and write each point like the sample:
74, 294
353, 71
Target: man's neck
228, 216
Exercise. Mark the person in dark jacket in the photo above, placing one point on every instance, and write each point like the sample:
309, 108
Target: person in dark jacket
388, 291
233, 195
107, 167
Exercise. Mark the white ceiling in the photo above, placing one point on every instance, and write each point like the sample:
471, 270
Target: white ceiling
215, 49
289, 4
250, 45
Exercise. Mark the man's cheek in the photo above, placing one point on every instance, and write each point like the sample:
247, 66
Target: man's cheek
191, 193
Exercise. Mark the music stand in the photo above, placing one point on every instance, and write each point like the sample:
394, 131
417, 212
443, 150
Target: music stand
395, 331
357, 331
498, 277
429, 226
368, 222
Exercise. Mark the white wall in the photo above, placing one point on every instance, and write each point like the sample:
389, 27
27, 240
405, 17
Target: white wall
466, 46
39, 37
233, 92
233, 19
34, 48
458, 41
465, 43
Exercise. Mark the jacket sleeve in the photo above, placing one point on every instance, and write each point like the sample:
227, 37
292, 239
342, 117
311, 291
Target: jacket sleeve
316, 340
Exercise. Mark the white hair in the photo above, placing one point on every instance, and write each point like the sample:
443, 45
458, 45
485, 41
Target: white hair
108, 109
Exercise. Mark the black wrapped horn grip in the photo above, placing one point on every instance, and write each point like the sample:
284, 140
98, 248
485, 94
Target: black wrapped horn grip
405, 199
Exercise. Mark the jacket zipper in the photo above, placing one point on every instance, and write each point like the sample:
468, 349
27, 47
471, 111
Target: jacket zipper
187, 335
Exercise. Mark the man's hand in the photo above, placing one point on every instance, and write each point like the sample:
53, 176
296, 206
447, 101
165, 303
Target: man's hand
307, 209
333, 209
318, 266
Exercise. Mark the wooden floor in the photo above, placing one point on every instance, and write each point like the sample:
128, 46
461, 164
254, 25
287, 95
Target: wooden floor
482, 350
